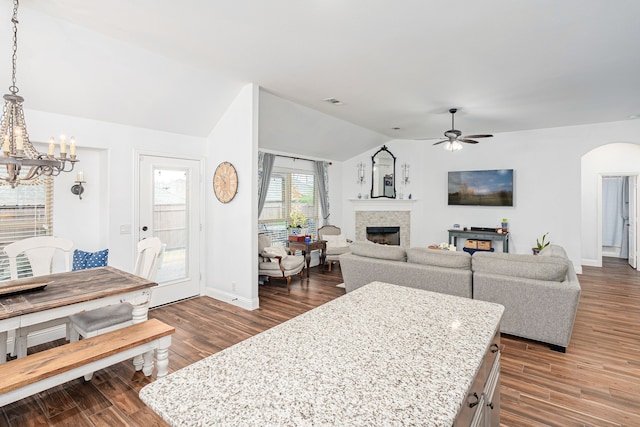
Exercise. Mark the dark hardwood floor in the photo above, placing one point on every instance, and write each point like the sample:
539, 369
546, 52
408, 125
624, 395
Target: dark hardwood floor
596, 383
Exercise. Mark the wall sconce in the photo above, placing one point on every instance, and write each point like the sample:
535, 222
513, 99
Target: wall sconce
78, 189
361, 179
405, 174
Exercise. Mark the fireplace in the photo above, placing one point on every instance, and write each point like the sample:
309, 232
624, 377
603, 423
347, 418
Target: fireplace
384, 235
374, 218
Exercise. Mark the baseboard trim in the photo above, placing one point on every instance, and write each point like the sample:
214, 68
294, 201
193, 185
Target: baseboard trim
246, 303
591, 262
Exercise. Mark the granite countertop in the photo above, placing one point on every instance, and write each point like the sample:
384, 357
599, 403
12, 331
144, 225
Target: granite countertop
382, 354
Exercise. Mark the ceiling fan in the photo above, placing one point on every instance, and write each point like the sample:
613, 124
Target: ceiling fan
454, 137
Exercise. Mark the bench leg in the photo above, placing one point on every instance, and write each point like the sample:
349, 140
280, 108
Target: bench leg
20, 343
147, 367
3, 346
162, 356
139, 315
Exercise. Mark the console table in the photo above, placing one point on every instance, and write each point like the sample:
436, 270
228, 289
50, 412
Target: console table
479, 235
307, 247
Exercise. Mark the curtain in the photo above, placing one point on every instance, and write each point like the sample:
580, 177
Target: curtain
265, 166
624, 215
322, 174
612, 219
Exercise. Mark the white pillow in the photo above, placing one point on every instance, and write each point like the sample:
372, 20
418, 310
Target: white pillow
335, 241
275, 250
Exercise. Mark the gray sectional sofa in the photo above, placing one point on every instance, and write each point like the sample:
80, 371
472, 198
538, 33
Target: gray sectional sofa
540, 293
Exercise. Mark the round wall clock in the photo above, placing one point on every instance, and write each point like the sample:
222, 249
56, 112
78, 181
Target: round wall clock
225, 182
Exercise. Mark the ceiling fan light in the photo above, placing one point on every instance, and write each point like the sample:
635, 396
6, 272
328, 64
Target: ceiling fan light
452, 146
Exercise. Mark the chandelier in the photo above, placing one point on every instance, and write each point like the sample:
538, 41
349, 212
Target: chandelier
23, 162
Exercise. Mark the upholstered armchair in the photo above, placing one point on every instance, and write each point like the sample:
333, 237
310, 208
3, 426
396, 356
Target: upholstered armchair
277, 262
337, 244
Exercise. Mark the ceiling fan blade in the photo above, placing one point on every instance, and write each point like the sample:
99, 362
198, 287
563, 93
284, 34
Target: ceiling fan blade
440, 142
426, 139
468, 141
477, 136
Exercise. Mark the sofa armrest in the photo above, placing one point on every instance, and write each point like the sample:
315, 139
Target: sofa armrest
534, 309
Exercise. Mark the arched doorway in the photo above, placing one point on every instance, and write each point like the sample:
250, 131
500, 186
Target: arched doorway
615, 159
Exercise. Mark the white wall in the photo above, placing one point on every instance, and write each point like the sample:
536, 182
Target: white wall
83, 220
232, 228
610, 159
547, 183
106, 153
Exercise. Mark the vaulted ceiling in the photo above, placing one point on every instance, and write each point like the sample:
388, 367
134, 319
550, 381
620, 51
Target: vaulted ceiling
176, 65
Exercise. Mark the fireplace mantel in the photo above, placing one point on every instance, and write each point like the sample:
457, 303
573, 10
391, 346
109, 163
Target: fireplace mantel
383, 204
383, 200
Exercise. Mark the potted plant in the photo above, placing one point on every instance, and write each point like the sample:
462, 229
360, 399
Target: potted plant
541, 244
298, 219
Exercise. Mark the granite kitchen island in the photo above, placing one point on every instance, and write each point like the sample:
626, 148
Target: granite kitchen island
382, 354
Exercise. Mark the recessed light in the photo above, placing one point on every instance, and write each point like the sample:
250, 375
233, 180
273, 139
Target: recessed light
633, 117
333, 101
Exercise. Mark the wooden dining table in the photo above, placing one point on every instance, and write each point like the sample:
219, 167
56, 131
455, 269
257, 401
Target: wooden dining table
59, 295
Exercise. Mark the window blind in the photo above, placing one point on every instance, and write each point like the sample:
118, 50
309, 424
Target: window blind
289, 191
25, 211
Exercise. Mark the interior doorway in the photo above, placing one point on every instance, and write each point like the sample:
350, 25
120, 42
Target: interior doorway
619, 215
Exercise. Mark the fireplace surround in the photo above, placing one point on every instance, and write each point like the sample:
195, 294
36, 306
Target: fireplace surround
401, 219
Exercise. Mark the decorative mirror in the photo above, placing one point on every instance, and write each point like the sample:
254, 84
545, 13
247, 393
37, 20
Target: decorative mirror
383, 174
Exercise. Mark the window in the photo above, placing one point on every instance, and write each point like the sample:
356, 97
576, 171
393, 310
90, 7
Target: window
25, 211
288, 192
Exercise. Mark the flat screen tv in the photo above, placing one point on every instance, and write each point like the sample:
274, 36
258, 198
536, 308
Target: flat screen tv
481, 188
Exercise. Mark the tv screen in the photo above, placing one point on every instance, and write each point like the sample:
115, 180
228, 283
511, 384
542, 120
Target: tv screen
481, 188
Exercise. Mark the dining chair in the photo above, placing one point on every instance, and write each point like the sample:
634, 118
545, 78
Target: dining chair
40, 252
105, 319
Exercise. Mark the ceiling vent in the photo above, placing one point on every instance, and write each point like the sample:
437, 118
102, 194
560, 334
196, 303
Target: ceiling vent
333, 101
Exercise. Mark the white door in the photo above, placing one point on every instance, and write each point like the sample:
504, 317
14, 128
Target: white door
633, 221
169, 197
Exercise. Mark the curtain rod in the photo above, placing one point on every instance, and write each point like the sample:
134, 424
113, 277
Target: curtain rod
297, 158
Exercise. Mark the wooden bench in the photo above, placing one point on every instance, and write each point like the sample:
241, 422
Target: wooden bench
46, 369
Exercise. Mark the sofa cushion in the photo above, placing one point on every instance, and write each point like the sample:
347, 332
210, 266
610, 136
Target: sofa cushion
520, 265
374, 250
273, 251
335, 241
554, 251
438, 258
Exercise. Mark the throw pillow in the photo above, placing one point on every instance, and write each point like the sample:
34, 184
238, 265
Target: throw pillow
276, 250
439, 258
335, 240
83, 260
